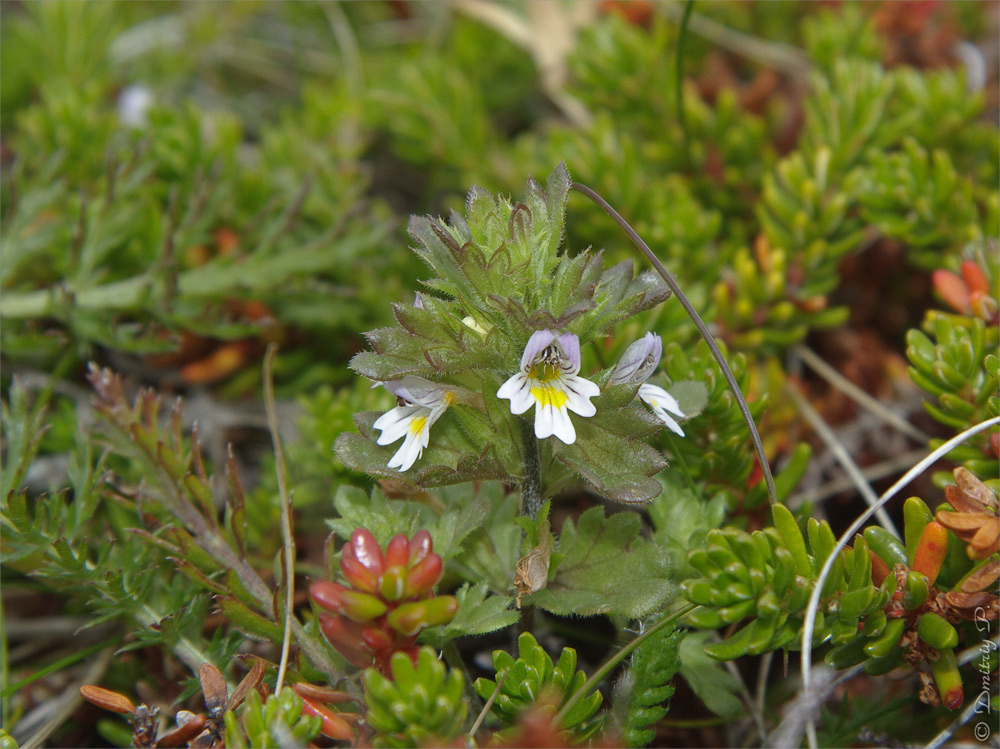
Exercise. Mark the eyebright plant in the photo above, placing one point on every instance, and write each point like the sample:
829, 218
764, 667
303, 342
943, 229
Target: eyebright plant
389, 601
509, 329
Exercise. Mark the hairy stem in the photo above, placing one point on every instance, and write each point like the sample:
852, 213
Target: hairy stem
531, 486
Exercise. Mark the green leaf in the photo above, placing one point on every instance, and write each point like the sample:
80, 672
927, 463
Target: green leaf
691, 395
490, 553
716, 687
607, 569
478, 614
681, 517
651, 670
383, 517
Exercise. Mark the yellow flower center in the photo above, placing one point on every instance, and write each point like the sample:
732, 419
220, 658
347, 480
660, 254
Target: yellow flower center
549, 396
543, 372
417, 425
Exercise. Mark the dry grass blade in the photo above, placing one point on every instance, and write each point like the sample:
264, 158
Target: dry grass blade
843, 457
249, 683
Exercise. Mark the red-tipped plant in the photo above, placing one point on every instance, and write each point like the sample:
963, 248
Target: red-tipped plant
390, 599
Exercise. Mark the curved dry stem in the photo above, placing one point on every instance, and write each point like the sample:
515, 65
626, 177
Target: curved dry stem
471, 735
287, 540
702, 329
617, 658
809, 625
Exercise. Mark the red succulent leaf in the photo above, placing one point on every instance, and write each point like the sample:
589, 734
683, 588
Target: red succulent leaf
423, 576
952, 289
974, 277
346, 637
366, 550
421, 546
397, 552
329, 596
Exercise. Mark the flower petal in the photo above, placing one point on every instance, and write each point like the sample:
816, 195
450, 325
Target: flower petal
396, 423
657, 397
539, 340
417, 390
570, 345
550, 421
661, 402
672, 425
638, 361
518, 390
578, 394
407, 455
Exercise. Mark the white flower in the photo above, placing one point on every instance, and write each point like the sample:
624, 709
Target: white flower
548, 381
661, 402
636, 365
421, 403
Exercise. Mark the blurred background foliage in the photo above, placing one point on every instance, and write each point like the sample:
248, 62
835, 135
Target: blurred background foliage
184, 183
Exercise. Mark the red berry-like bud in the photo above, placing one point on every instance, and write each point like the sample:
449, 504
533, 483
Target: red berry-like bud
328, 595
423, 576
397, 552
356, 573
974, 277
345, 636
420, 546
952, 289
931, 551
376, 639
366, 550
